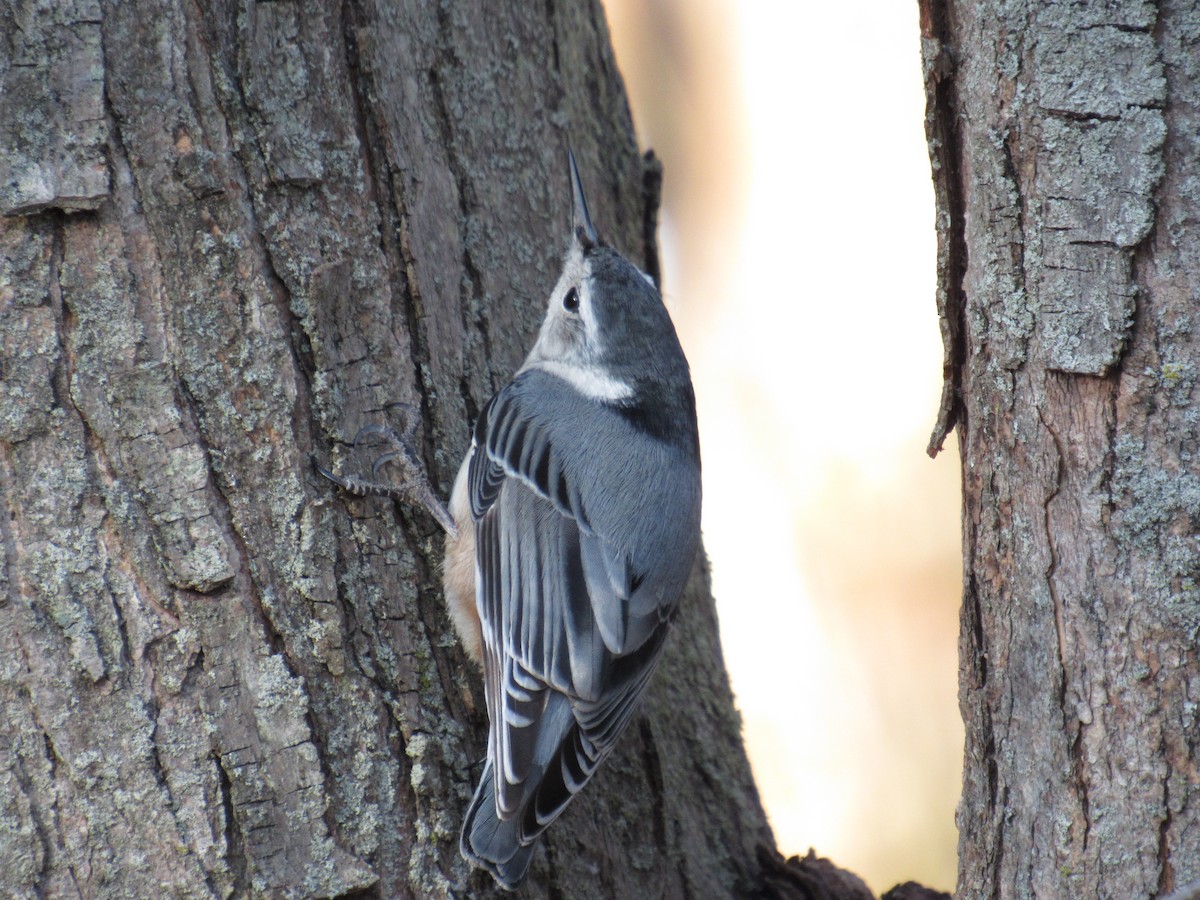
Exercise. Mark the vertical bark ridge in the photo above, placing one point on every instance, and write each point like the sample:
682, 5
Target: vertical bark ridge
234, 233
1079, 472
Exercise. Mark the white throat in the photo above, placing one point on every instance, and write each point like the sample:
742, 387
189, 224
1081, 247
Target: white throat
588, 380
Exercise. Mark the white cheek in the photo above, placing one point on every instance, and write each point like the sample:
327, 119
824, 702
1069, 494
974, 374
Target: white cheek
554, 339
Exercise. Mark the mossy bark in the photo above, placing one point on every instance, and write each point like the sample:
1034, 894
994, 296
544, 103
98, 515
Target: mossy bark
233, 234
1063, 138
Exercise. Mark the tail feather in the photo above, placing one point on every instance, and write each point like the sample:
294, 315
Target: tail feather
504, 846
493, 843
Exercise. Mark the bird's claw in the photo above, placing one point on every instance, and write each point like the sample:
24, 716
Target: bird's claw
414, 486
411, 419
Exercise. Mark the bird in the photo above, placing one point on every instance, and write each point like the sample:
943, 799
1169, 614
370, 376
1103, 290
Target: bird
573, 526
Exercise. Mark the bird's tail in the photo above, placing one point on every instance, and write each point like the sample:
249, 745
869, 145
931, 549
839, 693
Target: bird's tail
493, 843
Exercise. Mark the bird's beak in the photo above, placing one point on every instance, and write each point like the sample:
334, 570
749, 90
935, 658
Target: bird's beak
581, 224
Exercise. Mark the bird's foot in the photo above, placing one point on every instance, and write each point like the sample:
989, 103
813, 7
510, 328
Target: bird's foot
413, 486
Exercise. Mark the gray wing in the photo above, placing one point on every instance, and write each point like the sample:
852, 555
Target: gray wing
569, 639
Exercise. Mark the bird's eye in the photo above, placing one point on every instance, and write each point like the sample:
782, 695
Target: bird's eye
571, 301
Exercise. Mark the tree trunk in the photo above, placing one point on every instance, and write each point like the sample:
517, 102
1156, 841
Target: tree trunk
1063, 140
235, 233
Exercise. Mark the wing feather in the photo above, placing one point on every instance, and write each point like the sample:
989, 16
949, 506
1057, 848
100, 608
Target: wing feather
571, 632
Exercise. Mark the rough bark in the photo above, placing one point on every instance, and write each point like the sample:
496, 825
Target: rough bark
233, 234
1063, 137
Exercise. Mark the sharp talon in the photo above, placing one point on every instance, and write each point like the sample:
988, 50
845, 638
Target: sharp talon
383, 460
324, 471
382, 431
413, 489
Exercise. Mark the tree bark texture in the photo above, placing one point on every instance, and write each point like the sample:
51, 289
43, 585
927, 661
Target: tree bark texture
1063, 138
233, 234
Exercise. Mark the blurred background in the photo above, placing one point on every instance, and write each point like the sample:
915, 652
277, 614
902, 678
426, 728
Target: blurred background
799, 257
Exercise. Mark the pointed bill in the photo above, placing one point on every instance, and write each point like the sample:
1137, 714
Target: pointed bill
581, 224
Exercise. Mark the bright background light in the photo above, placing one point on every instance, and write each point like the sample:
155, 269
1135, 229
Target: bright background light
799, 266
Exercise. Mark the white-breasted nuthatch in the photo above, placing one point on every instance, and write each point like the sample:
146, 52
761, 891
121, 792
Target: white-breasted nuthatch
576, 520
